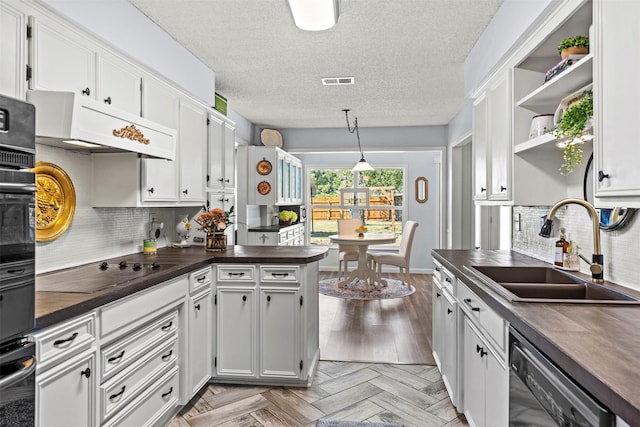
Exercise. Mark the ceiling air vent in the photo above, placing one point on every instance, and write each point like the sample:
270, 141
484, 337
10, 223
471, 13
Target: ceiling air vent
333, 81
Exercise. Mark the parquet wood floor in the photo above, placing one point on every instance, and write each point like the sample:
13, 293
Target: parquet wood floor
401, 386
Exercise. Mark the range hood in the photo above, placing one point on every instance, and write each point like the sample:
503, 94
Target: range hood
76, 122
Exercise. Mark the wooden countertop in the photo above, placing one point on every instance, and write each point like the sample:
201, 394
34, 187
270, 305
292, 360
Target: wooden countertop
598, 345
55, 307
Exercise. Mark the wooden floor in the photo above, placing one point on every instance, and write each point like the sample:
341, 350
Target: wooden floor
401, 387
384, 331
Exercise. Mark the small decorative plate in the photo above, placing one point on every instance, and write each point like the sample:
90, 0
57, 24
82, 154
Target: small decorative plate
264, 167
55, 201
264, 187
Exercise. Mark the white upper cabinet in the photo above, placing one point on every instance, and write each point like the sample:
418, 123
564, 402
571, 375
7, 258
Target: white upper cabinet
616, 90
479, 147
222, 154
62, 59
500, 102
192, 145
118, 83
13, 45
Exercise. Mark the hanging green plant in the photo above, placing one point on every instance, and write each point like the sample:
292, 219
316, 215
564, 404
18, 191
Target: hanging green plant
572, 125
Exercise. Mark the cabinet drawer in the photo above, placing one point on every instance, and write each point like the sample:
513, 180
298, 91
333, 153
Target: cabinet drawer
60, 342
282, 237
126, 350
129, 313
200, 279
152, 405
279, 274
482, 316
121, 389
235, 273
437, 270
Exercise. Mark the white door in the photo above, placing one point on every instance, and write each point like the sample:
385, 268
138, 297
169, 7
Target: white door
118, 84
200, 341
236, 331
61, 59
280, 345
65, 394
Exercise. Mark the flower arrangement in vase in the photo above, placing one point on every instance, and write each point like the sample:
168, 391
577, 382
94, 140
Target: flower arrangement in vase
361, 230
214, 223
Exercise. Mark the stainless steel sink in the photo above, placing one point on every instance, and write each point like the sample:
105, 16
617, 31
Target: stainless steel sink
546, 284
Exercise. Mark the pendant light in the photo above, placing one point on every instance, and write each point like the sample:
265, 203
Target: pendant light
362, 164
314, 15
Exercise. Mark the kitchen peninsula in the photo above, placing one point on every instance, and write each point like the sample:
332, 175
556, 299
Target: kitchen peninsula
137, 349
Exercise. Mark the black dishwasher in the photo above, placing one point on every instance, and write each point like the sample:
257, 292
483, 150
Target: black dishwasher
541, 395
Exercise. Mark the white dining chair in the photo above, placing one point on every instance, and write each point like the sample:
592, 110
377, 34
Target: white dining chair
402, 259
346, 253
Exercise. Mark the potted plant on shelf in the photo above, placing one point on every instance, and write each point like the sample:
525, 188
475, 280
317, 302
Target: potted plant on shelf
287, 217
576, 45
572, 125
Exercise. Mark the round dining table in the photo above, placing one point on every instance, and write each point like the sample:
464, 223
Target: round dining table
364, 271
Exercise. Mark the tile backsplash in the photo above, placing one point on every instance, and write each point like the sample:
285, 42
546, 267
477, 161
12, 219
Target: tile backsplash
621, 248
96, 234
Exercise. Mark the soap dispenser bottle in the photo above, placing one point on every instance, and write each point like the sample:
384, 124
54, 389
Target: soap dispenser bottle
562, 247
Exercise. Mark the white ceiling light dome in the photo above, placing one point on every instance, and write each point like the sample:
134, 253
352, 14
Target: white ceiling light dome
314, 15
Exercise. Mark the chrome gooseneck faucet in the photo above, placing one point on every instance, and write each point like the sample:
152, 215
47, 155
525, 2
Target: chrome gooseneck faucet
597, 259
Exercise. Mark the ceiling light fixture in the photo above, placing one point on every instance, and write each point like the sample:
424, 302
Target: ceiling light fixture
362, 165
314, 15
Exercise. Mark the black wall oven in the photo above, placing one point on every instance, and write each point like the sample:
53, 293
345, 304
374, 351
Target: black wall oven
17, 263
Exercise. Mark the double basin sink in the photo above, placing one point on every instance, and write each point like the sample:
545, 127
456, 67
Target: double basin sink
546, 284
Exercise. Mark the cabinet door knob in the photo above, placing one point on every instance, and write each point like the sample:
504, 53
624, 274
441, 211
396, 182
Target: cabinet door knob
185, 191
107, 100
86, 91
221, 179
150, 190
244, 298
503, 188
449, 311
197, 307
227, 180
483, 189
86, 373
602, 176
268, 298
437, 294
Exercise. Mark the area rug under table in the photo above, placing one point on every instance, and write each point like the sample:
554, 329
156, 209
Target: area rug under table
358, 289
334, 423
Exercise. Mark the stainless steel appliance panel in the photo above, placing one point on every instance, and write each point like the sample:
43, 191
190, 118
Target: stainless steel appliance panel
17, 133
17, 385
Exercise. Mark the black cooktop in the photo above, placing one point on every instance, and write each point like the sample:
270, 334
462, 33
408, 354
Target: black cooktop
95, 277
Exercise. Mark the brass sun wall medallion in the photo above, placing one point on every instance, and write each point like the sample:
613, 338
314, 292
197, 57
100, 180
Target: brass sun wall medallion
55, 201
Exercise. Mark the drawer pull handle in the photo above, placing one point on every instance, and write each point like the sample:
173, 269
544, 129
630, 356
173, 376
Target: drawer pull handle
115, 396
167, 356
236, 274
167, 393
467, 300
279, 274
449, 311
446, 279
201, 279
475, 308
116, 358
86, 373
167, 327
244, 298
66, 340
437, 269
197, 307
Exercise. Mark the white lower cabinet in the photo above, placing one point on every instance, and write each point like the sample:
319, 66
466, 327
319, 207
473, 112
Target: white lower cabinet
266, 323
65, 394
200, 341
66, 374
485, 381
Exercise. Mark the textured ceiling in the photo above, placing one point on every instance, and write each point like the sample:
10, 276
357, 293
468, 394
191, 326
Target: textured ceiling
406, 56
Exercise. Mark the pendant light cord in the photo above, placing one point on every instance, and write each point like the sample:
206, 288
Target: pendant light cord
355, 129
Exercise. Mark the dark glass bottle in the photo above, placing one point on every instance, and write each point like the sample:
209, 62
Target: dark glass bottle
562, 246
